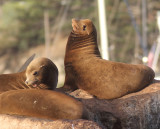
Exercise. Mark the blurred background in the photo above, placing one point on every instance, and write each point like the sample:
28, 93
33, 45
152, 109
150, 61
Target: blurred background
43, 26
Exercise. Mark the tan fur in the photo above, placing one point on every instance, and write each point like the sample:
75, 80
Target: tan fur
85, 69
42, 71
47, 79
41, 104
12, 81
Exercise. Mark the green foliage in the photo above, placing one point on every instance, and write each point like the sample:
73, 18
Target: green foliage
22, 23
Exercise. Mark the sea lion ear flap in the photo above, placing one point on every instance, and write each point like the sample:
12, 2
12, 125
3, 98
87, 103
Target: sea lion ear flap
87, 31
42, 66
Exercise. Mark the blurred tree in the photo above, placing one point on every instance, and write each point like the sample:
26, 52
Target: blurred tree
22, 23
121, 31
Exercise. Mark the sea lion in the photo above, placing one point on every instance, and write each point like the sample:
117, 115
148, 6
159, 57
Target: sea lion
85, 69
46, 77
25, 65
41, 104
12, 81
42, 72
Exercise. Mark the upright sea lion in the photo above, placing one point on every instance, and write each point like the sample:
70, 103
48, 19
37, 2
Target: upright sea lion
85, 69
41, 74
41, 104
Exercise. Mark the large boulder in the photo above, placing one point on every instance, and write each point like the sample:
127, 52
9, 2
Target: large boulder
140, 110
21, 122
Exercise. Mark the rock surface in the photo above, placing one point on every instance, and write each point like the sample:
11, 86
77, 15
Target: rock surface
139, 110
20, 122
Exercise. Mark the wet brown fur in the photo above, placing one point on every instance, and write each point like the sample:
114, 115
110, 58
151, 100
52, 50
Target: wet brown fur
12, 81
16, 81
85, 69
41, 104
46, 73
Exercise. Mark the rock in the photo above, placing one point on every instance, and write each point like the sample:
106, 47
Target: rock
21, 122
140, 110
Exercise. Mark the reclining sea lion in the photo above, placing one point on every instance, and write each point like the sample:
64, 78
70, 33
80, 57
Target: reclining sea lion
41, 104
41, 73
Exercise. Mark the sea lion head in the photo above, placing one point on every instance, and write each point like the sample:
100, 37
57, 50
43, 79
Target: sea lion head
40, 72
82, 27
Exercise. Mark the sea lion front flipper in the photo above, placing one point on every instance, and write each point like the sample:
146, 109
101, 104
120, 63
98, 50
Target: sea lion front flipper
24, 66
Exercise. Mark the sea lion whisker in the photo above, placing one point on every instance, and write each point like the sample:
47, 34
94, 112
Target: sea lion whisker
14, 86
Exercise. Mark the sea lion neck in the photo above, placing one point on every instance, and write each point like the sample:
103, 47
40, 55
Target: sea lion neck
83, 44
49, 82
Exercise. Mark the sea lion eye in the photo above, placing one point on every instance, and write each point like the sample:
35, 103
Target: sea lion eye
84, 27
35, 73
